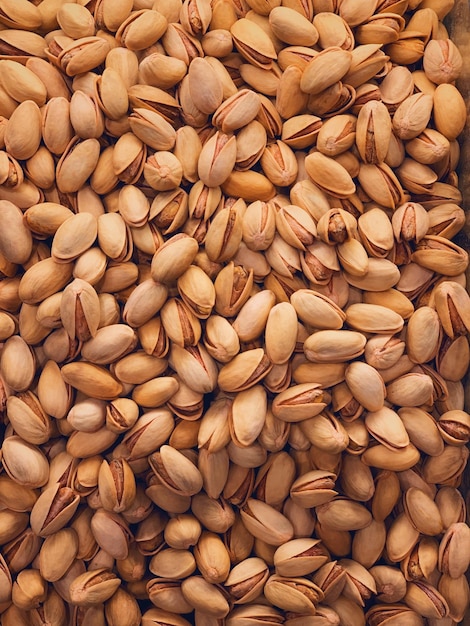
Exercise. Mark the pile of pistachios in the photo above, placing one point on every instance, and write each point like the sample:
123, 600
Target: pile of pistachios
233, 316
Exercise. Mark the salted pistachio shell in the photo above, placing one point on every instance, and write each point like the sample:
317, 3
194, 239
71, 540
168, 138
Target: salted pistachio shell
266, 523
426, 600
298, 595
24, 462
386, 426
329, 175
253, 43
77, 163
246, 579
17, 364
313, 488
317, 310
116, 484
28, 418
177, 472
395, 460
244, 371
53, 509
91, 379
422, 512
325, 69
334, 346
74, 237
366, 385
373, 318
57, 554
299, 402
299, 557
180, 247
93, 587
43, 279
204, 596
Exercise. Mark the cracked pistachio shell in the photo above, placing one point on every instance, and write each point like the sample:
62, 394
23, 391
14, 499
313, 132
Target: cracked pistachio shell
265, 523
313, 488
451, 303
77, 164
300, 402
244, 371
454, 556
203, 596
237, 111
197, 291
224, 235
246, 580
253, 614
373, 132
376, 232
454, 427
253, 43
93, 587
83, 55
80, 310
426, 600
159, 617
300, 557
394, 615
317, 310
387, 427
149, 432
298, 595
176, 471
195, 367
28, 418
53, 509
74, 236
217, 159
116, 484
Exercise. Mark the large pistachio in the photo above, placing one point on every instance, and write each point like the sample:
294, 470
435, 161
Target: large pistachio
298, 595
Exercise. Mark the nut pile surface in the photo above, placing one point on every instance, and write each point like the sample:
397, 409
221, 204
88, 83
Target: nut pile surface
233, 320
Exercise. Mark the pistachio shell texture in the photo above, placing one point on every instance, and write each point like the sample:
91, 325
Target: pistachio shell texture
234, 318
